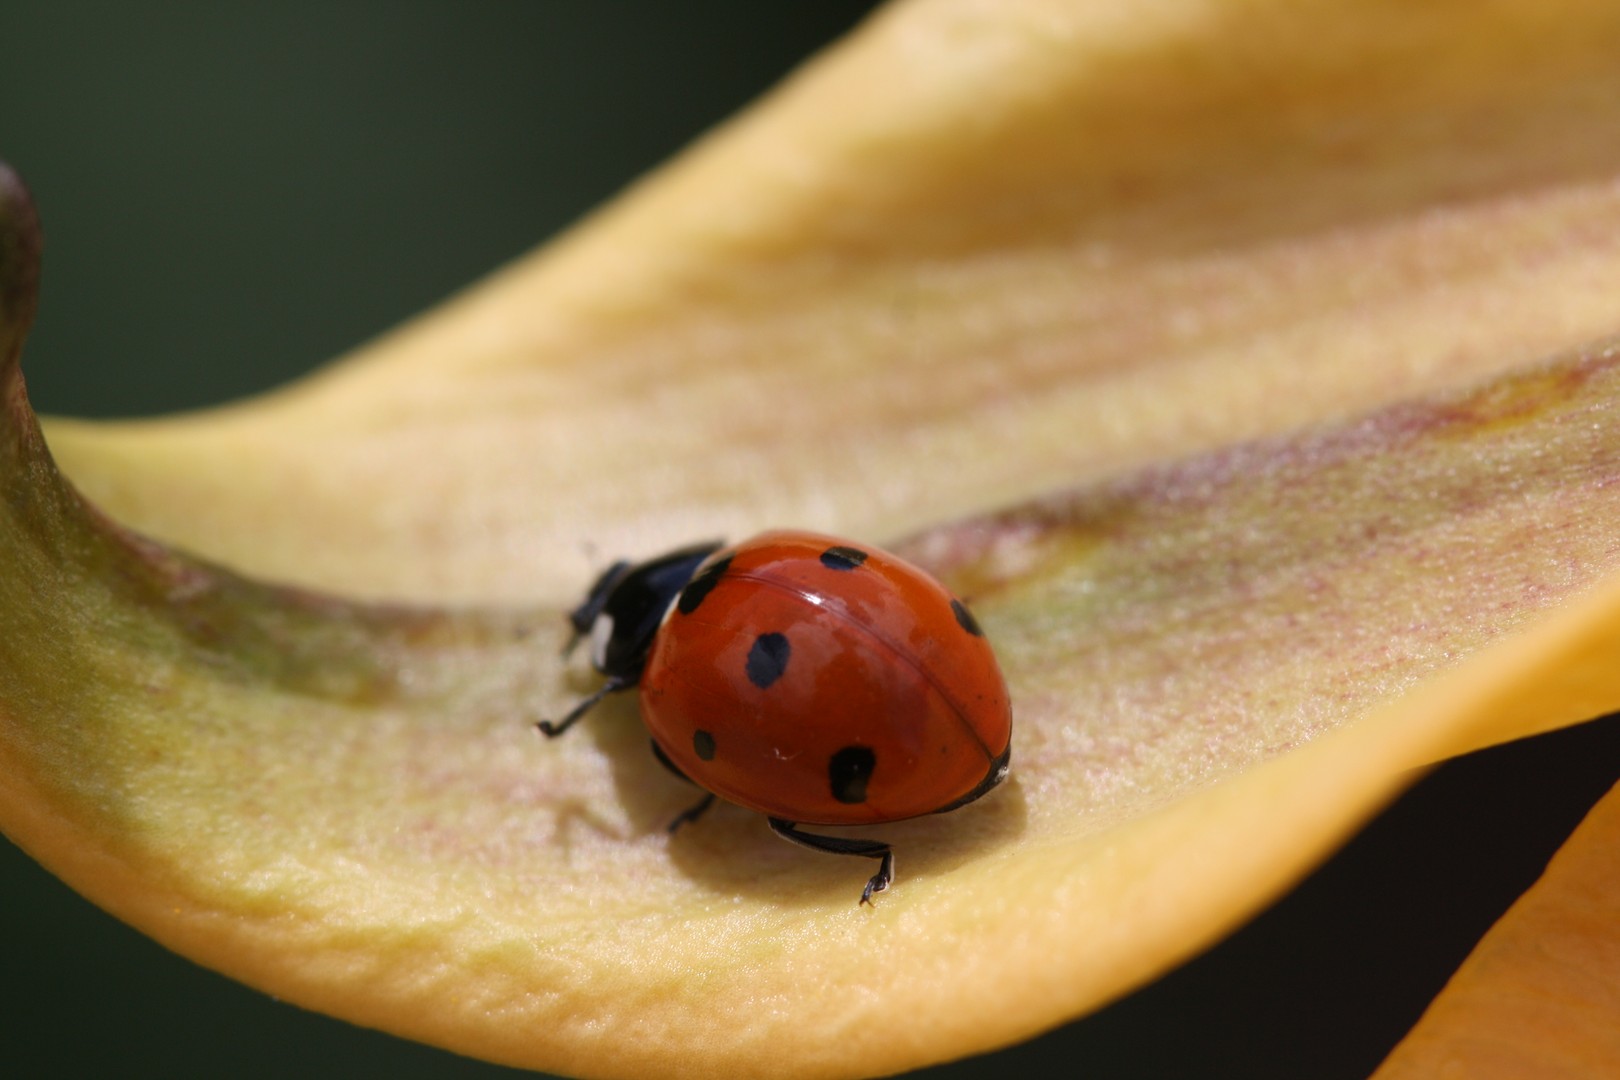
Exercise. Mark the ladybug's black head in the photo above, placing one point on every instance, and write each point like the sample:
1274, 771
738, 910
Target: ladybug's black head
584, 616
622, 612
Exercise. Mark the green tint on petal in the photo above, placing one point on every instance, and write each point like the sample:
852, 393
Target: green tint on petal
1218, 667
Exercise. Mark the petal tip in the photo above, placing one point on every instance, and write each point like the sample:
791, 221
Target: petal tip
20, 244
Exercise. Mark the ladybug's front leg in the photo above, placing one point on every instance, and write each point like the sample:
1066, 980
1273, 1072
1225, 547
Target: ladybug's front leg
693, 812
697, 809
838, 845
613, 685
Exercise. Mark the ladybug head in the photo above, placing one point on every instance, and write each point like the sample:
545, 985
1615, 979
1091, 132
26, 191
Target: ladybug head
584, 617
622, 611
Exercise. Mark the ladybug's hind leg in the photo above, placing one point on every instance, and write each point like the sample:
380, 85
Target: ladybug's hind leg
839, 845
613, 685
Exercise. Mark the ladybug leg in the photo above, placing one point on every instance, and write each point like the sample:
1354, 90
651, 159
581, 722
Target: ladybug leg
613, 685
839, 845
663, 759
693, 812
696, 810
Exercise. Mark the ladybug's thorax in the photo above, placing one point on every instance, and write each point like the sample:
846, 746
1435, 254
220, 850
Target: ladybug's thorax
624, 610
601, 636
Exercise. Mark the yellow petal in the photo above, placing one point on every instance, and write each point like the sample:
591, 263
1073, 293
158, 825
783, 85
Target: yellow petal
1030, 242
1540, 994
1068, 242
346, 807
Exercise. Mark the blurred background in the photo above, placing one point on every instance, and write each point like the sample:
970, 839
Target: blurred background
233, 195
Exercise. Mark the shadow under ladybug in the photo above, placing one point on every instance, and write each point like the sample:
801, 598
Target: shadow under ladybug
810, 679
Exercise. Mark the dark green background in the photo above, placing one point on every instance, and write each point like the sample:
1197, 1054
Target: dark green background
233, 196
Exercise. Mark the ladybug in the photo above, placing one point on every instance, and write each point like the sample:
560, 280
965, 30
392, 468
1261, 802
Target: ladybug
811, 679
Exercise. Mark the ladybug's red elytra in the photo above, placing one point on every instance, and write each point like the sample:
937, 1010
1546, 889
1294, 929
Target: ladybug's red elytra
812, 679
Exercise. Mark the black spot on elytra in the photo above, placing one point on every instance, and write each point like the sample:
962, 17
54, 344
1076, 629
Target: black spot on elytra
965, 619
701, 586
842, 558
703, 744
767, 659
848, 772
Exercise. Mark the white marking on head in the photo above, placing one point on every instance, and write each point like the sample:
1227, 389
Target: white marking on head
601, 634
669, 611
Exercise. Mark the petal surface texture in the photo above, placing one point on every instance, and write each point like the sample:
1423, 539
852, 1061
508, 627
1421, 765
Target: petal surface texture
1017, 244
1244, 364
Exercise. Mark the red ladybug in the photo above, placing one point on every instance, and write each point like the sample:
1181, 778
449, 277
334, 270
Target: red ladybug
808, 678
